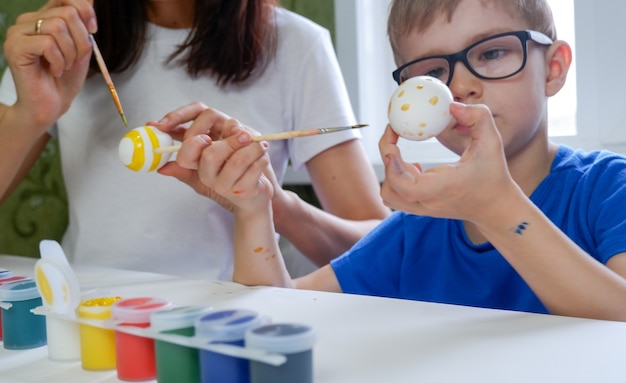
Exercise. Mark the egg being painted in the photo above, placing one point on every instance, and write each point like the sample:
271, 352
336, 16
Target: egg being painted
136, 149
419, 109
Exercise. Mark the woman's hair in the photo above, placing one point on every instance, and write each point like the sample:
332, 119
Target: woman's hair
230, 39
406, 16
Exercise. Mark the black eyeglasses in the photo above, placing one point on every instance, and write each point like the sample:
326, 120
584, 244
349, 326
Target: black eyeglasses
492, 58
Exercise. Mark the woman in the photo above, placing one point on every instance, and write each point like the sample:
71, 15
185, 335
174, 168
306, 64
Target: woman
252, 60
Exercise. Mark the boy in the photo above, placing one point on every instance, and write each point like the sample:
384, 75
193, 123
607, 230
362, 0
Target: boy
518, 223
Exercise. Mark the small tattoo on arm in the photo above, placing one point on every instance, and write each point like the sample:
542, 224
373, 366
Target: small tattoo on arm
519, 229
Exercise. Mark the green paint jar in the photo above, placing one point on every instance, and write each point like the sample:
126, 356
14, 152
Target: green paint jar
176, 363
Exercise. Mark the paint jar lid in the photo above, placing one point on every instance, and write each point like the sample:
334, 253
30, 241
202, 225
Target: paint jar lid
285, 338
56, 281
20, 290
137, 310
97, 308
5, 273
226, 325
177, 317
12, 279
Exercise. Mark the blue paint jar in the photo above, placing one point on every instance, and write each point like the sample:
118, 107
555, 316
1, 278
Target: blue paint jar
225, 327
6, 278
21, 328
174, 362
295, 341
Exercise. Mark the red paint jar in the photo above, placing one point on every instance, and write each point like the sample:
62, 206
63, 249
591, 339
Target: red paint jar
135, 354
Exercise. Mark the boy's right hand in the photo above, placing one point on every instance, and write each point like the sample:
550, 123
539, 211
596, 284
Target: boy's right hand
464, 190
48, 53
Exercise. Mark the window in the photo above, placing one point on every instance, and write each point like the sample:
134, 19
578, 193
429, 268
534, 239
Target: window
562, 107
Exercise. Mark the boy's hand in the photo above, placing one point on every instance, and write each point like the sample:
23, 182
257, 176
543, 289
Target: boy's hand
463, 190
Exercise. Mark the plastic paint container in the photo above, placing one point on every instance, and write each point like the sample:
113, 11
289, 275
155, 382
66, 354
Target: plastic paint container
176, 363
135, 354
21, 328
226, 326
60, 292
6, 277
295, 341
97, 345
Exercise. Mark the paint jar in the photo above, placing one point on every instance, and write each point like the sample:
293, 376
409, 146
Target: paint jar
175, 362
295, 341
20, 327
7, 277
97, 343
135, 354
225, 327
60, 292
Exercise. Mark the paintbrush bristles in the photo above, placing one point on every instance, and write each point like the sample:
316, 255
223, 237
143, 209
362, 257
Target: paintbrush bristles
107, 79
277, 136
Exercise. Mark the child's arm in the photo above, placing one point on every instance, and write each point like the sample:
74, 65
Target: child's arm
480, 190
239, 170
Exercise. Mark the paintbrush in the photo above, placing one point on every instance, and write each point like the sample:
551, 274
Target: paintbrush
277, 136
107, 79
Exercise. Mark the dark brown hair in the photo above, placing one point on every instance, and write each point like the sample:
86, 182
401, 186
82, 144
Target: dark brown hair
230, 39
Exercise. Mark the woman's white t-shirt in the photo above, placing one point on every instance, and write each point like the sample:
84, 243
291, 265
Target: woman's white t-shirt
149, 222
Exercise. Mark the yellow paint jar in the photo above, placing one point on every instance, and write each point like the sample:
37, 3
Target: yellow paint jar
97, 345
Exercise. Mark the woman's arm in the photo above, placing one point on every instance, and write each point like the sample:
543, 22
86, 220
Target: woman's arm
349, 193
48, 53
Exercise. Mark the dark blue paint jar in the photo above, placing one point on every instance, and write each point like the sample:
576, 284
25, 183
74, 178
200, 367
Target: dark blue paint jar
295, 341
225, 327
21, 328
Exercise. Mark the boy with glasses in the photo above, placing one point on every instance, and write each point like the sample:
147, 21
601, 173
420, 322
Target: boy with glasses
518, 223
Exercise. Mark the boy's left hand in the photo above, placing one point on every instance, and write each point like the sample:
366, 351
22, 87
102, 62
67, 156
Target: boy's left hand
461, 190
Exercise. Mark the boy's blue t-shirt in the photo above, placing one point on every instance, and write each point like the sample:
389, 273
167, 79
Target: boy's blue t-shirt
431, 259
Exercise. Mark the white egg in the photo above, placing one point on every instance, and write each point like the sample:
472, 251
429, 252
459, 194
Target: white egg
419, 109
136, 149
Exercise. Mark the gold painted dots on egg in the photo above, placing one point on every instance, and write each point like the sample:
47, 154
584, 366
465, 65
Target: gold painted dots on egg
419, 109
136, 149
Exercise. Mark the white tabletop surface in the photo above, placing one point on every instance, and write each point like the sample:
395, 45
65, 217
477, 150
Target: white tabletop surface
367, 339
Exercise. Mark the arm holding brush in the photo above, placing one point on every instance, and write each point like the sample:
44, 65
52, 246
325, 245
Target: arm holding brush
48, 53
348, 194
238, 167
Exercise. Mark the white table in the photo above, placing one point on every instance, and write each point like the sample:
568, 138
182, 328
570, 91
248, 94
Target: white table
368, 339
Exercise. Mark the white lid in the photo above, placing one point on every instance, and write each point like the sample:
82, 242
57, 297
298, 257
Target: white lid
5, 273
137, 310
20, 290
226, 325
177, 317
12, 279
281, 338
56, 281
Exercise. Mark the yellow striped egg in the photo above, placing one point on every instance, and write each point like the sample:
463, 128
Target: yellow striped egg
419, 109
136, 149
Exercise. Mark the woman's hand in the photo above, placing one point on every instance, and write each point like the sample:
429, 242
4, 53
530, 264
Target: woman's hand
230, 169
48, 52
195, 119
